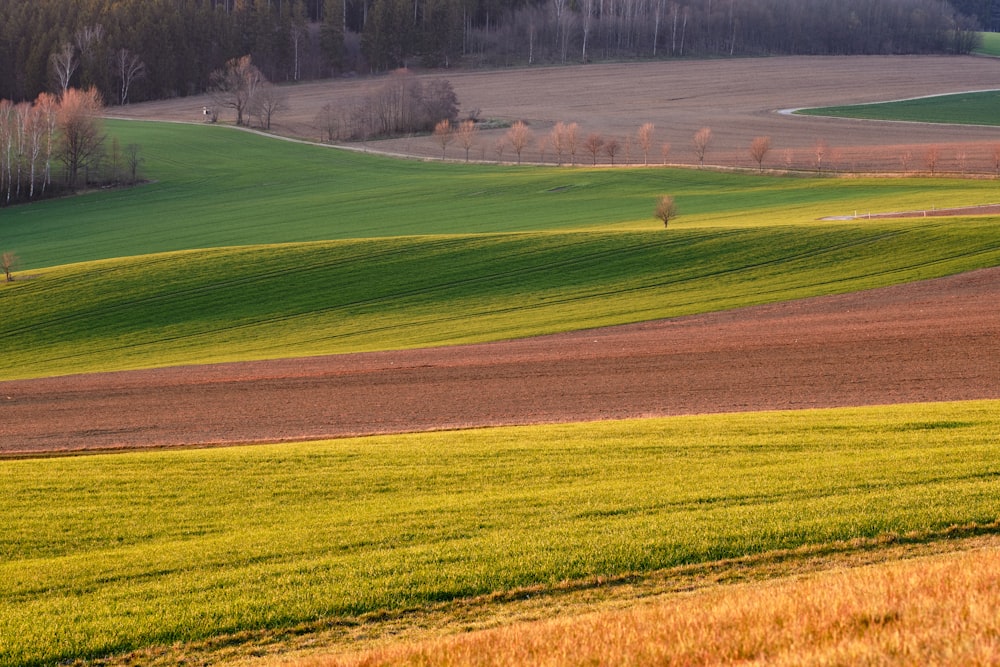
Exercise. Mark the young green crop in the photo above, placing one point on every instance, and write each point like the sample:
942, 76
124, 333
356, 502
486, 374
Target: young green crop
990, 44
215, 186
345, 296
976, 108
104, 554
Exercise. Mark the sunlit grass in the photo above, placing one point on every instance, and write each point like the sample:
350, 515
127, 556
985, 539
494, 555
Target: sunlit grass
102, 555
930, 611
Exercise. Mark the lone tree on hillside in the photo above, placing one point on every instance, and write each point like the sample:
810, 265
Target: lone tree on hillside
702, 138
759, 148
666, 209
8, 262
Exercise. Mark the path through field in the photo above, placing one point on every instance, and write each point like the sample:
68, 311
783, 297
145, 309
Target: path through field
936, 340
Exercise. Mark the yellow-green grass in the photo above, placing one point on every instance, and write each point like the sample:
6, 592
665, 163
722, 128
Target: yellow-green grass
106, 554
347, 296
972, 108
215, 186
935, 610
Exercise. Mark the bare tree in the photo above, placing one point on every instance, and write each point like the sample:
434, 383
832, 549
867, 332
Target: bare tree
666, 209
543, 147
268, 101
572, 141
236, 85
820, 149
996, 160
328, 122
558, 139
519, 136
932, 158
132, 161
498, 147
611, 148
64, 64
443, 135
9, 262
702, 138
665, 151
467, 136
905, 160
645, 138
129, 69
759, 148
593, 145
79, 121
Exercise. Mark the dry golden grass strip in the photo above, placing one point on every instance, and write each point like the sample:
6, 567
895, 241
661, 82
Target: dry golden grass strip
939, 609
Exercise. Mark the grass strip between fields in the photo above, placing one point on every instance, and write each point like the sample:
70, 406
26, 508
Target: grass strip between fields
105, 555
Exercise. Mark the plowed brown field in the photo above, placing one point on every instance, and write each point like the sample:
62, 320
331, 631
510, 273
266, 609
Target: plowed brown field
737, 99
930, 341
927, 341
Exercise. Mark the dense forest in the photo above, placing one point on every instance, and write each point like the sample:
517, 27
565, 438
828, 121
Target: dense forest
133, 50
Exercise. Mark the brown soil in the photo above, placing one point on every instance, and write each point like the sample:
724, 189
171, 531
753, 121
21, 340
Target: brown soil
936, 340
738, 99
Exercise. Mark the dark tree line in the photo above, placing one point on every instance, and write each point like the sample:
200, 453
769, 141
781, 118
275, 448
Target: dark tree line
133, 50
987, 12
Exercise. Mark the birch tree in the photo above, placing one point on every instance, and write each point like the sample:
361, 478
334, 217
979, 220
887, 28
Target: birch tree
129, 68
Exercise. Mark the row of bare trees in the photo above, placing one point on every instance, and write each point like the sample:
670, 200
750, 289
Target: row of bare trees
64, 130
565, 143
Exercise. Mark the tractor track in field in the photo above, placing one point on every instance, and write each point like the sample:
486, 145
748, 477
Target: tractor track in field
935, 340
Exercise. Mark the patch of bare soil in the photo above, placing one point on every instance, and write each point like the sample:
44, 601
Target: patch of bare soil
935, 340
738, 99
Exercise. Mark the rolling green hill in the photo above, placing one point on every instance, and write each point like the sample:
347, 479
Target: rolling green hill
244, 247
214, 186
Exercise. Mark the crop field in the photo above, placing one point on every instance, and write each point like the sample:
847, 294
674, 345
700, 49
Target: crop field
422, 276
990, 45
962, 109
738, 99
109, 554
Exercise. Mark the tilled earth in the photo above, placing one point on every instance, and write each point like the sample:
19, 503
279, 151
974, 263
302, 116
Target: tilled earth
738, 99
935, 340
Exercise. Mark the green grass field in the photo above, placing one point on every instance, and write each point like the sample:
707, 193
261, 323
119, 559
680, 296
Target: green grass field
990, 44
975, 108
345, 296
215, 187
367, 253
105, 554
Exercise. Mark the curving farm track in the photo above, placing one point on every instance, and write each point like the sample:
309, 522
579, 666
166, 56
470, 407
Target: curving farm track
935, 340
